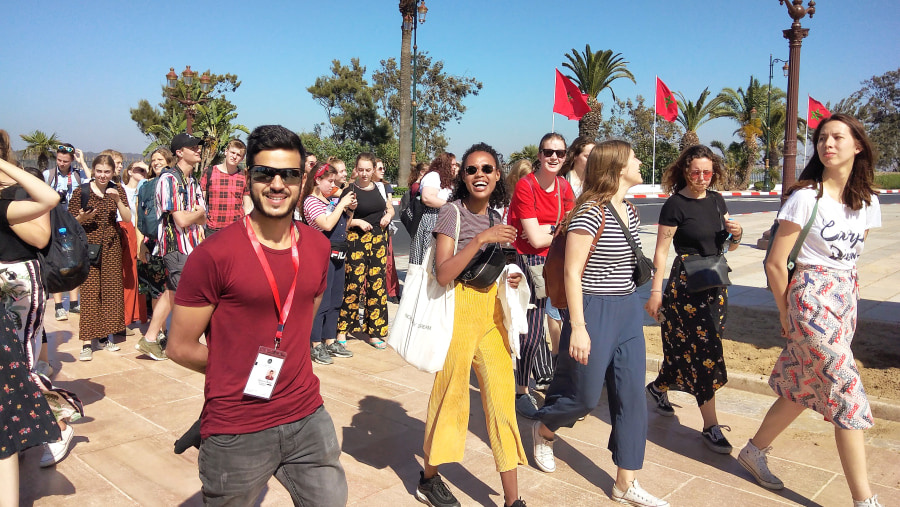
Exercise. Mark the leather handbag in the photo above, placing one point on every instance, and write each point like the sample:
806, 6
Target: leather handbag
555, 267
485, 268
643, 268
706, 272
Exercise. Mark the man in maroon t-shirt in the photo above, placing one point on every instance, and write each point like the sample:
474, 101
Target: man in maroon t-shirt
263, 414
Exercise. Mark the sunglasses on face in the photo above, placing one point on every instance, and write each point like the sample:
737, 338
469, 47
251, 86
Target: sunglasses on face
549, 153
706, 175
486, 169
67, 149
263, 174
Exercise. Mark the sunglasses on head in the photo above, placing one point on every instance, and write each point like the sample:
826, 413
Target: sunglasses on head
486, 169
67, 149
549, 153
263, 174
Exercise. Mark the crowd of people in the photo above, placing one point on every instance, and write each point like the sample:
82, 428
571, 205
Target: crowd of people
217, 252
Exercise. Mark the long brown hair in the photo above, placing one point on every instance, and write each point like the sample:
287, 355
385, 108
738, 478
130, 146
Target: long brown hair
443, 164
861, 184
602, 173
575, 149
6, 151
675, 176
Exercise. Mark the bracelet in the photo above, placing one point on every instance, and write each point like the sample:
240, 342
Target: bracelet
652, 291
573, 324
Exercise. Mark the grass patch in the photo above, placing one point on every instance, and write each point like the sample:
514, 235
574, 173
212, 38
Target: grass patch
887, 180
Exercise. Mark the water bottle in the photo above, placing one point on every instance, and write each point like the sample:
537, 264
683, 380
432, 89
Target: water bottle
70, 263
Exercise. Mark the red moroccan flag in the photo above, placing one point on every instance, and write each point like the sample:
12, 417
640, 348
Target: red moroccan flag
665, 102
817, 113
569, 99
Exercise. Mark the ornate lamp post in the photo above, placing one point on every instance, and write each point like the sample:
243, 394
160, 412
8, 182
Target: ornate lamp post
412, 14
795, 35
772, 61
187, 77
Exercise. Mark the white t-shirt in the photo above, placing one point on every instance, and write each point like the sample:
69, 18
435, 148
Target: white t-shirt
433, 180
837, 235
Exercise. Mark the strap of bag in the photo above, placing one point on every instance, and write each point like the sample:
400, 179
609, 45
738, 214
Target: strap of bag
596, 239
802, 237
722, 216
85, 196
626, 230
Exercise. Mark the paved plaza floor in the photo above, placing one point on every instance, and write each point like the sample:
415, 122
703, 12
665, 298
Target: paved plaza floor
136, 408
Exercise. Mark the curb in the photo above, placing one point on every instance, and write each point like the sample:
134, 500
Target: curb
759, 384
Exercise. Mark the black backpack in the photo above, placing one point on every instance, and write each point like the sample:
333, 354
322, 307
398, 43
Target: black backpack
411, 210
53, 258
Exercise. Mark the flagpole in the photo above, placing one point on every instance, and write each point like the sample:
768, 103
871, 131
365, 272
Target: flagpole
655, 114
552, 122
805, 140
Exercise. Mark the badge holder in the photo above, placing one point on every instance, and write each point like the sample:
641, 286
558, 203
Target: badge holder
264, 374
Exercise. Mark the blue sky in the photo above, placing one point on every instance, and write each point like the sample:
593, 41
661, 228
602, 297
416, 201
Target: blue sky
76, 69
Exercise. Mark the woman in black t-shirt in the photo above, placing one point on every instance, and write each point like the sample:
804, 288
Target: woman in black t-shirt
696, 220
366, 259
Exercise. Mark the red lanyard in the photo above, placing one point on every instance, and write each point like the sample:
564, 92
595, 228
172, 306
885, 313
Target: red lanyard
284, 311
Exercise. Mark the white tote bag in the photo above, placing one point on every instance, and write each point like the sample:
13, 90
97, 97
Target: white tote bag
423, 326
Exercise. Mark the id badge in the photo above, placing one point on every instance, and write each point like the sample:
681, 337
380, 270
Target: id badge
264, 374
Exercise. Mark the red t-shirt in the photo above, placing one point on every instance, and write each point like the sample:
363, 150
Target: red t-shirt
224, 271
529, 200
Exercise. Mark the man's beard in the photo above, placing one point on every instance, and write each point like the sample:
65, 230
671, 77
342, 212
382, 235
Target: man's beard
257, 200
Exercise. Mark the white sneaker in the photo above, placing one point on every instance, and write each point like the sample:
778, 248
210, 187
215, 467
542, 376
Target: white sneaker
868, 502
756, 462
543, 449
54, 452
637, 496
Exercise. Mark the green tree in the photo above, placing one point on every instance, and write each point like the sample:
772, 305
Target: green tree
439, 100
692, 115
215, 119
745, 107
734, 157
632, 121
528, 152
593, 73
160, 124
40, 145
880, 113
349, 104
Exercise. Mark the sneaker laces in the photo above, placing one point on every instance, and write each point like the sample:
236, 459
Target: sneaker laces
639, 493
664, 400
440, 489
715, 431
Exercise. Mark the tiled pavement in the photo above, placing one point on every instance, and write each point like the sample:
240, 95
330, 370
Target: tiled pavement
136, 408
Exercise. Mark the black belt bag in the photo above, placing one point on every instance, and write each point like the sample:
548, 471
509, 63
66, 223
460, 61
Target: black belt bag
339, 250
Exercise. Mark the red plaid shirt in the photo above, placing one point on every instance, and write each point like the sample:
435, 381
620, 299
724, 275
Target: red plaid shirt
224, 196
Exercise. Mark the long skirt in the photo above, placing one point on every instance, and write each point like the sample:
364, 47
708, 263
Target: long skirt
135, 304
816, 368
479, 342
692, 329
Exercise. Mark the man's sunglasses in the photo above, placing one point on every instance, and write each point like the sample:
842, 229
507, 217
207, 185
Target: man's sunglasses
263, 174
549, 153
67, 149
486, 169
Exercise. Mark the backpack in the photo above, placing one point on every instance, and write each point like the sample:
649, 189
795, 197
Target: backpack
147, 219
53, 258
411, 210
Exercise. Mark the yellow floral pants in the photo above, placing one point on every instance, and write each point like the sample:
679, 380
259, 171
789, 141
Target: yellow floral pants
365, 284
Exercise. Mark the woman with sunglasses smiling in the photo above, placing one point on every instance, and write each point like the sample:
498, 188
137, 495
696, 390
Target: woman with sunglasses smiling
539, 204
479, 338
366, 259
696, 220
102, 294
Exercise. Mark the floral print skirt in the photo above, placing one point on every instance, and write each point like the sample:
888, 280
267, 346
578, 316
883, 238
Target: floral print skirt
692, 328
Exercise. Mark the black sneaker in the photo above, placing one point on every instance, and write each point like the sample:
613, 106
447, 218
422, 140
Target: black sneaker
434, 492
526, 405
715, 440
661, 399
518, 503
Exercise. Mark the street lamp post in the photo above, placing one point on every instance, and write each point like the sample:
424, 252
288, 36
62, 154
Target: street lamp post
772, 61
187, 77
795, 35
422, 10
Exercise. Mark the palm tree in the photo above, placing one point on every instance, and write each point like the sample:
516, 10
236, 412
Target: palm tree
173, 123
733, 157
528, 152
776, 142
214, 119
691, 116
40, 145
595, 72
745, 107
